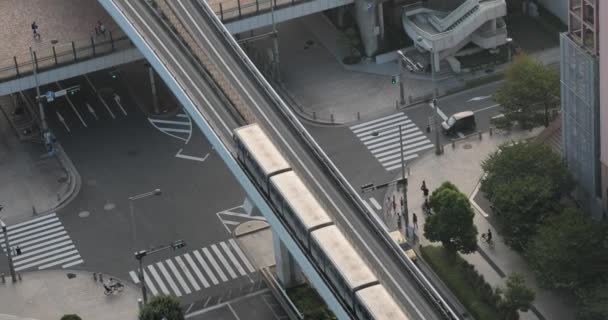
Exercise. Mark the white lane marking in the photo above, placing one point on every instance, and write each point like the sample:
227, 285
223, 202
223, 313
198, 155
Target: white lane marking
439, 112
117, 100
182, 115
377, 120
479, 98
48, 253
187, 157
149, 283
233, 312
67, 97
398, 166
178, 276
33, 236
188, 274
223, 261
392, 136
390, 132
54, 263
65, 254
176, 130
487, 108
241, 255
395, 147
91, 111
31, 253
384, 143
215, 265
232, 258
386, 162
99, 96
71, 264
197, 271
184, 123
62, 120
26, 244
31, 226
134, 277
25, 223
375, 203
393, 122
172, 284
411, 148
206, 267
26, 233
158, 279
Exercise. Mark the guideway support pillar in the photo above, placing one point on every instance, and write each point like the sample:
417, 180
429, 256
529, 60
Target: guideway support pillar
287, 269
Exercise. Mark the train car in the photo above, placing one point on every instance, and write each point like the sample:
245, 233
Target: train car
375, 303
297, 205
259, 155
341, 263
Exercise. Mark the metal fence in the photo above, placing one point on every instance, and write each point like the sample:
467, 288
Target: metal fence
59, 54
229, 10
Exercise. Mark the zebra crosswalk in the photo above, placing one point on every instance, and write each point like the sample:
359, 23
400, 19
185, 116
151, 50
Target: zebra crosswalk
43, 243
381, 138
179, 126
196, 270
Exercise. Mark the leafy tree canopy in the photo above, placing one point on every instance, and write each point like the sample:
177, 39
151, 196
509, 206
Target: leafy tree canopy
452, 222
516, 297
570, 250
593, 302
160, 307
530, 91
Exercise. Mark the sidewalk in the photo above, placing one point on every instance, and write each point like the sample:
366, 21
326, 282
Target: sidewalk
462, 166
32, 183
48, 295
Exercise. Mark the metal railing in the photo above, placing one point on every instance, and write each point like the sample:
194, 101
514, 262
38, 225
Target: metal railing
60, 54
237, 9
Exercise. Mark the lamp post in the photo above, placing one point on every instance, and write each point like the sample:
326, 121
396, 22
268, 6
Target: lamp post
7, 245
509, 41
132, 199
438, 149
402, 181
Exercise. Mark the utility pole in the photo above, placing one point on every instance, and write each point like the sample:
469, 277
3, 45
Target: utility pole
438, 149
7, 246
132, 199
153, 87
404, 186
275, 40
43, 123
139, 256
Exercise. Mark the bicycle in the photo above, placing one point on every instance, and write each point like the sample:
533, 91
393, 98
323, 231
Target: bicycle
113, 287
487, 238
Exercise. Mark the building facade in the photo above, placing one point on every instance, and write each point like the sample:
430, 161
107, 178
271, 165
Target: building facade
581, 104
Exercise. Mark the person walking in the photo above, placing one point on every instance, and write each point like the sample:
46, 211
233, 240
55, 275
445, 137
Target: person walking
102, 28
425, 190
35, 33
415, 220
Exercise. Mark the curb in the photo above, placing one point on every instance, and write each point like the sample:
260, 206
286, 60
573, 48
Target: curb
74, 181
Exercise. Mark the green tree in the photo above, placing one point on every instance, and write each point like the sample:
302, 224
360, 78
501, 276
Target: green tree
516, 297
524, 182
530, 91
452, 221
160, 307
593, 302
435, 199
569, 251
71, 317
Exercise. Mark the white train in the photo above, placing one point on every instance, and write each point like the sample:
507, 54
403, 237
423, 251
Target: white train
340, 264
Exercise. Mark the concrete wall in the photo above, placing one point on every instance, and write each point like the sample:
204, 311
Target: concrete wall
557, 7
603, 26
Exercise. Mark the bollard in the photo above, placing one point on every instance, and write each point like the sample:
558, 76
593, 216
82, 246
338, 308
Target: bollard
140, 303
358, 115
3, 277
491, 131
453, 144
428, 128
58, 197
314, 115
100, 277
397, 104
479, 135
94, 276
33, 210
332, 117
19, 276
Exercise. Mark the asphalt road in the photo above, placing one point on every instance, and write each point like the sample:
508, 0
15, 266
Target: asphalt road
120, 152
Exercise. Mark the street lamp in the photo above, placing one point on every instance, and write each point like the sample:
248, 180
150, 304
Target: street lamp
438, 149
402, 181
132, 199
139, 256
509, 41
7, 245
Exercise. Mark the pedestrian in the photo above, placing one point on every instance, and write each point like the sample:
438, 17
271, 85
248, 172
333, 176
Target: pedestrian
402, 206
394, 205
96, 31
425, 190
399, 221
35, 33
101, 27
426, 206
415, 220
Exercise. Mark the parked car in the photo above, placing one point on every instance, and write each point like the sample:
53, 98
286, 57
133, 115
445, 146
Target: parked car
459, 122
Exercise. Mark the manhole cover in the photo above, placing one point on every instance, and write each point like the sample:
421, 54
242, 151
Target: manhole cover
109, 206
132, 153
310, 43
467, 146
71, 275
84, 214
62, 180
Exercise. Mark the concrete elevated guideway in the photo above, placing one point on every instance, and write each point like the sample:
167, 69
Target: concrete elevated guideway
244, 86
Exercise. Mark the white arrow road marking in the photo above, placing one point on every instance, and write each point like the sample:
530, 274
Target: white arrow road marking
479, 98
187, 157
92, 111
439, 112
117, 100
487, 108
72, 105
99, 96
62, 120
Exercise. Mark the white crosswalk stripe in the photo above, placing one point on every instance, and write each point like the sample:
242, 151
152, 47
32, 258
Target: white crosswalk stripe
179, 127
43, 242
185, 273
382, 138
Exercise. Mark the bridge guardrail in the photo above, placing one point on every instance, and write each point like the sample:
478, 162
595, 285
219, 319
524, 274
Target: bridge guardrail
58, 54
245, 8
423, 283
